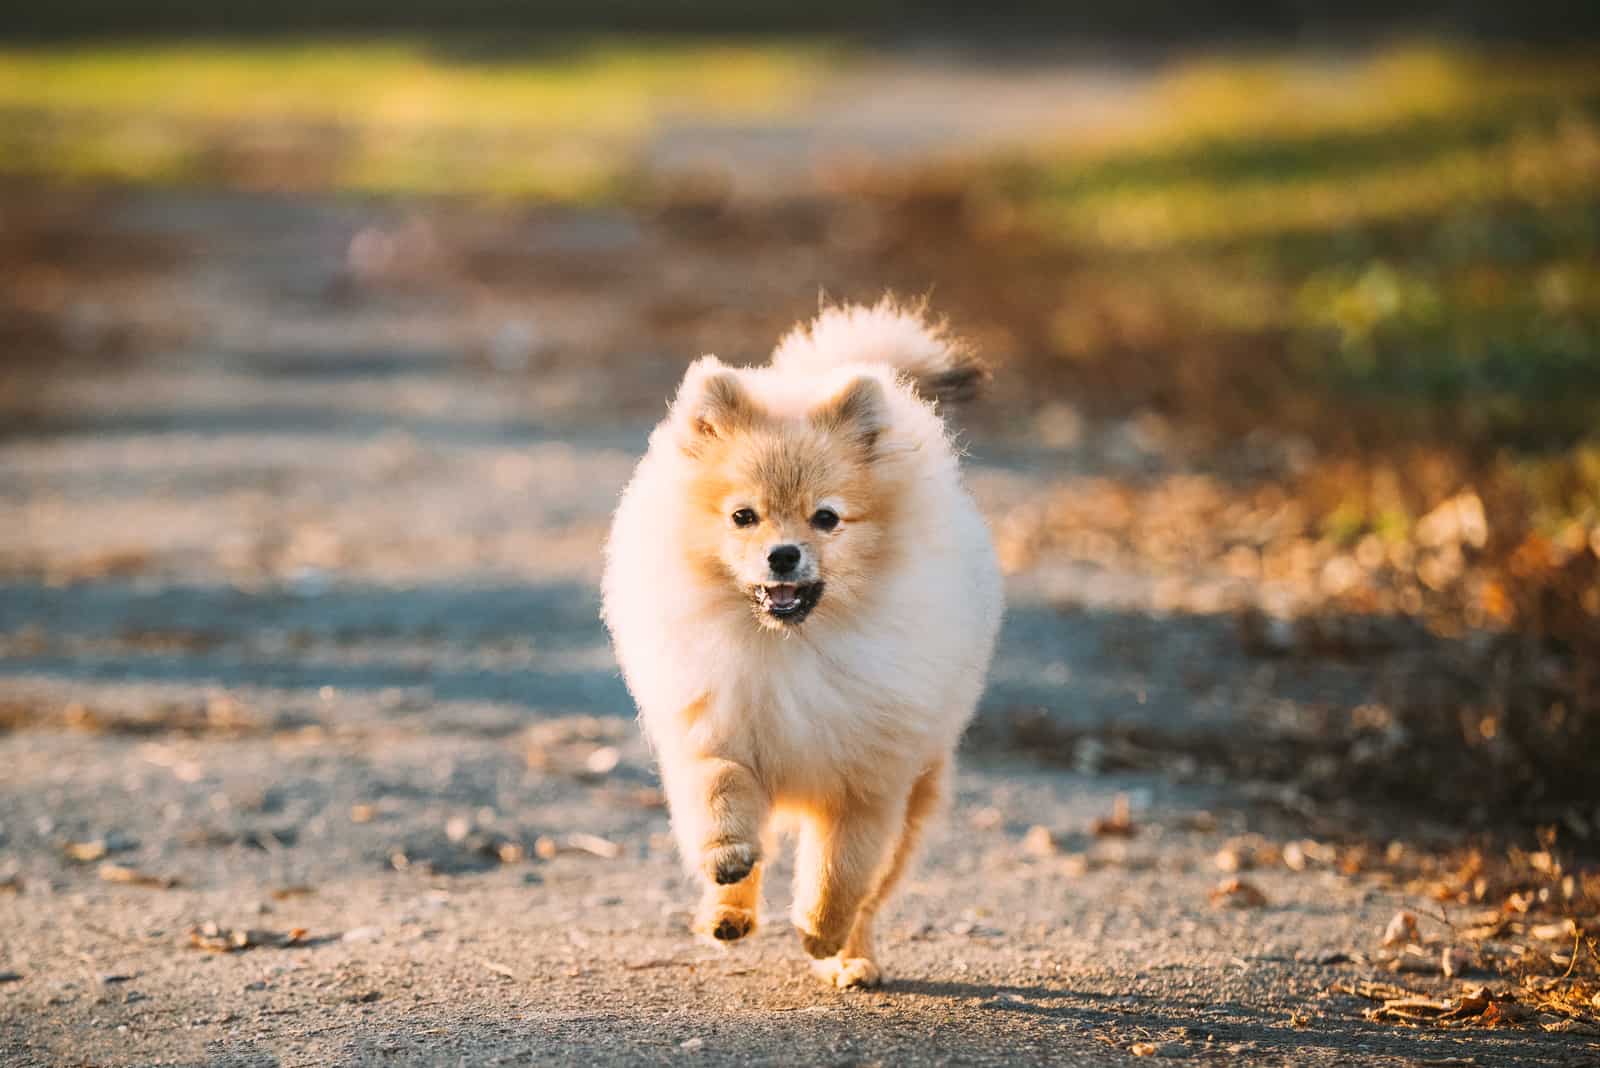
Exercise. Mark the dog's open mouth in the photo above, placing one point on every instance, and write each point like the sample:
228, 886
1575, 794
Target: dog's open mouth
789, 602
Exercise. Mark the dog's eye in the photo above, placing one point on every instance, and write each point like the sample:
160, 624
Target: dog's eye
825, 519
744, 517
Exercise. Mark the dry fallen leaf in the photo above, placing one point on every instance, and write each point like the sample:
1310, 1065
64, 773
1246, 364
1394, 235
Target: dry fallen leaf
86, 852
118, 873
502, 970
1502, 1014
1571, 1027
546, 848
1119, 824
603, 761
1563, 931
214, 939
1401, 930
593, 843
1419, 1008
1039, 842
1143, 1049
284, 893
1230, 859
1237, 894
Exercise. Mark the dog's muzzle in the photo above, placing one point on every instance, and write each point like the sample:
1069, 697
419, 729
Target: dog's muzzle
788, 602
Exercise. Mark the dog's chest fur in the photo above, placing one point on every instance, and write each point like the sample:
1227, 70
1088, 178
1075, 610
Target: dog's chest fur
808, 715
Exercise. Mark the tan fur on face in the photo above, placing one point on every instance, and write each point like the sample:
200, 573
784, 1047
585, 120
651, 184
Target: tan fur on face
784, 470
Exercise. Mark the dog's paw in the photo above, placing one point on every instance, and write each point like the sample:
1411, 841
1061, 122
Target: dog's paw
847, 973
817, 946
731, 862
726, 923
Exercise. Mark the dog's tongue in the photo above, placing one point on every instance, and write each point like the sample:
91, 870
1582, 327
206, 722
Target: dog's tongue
782, 596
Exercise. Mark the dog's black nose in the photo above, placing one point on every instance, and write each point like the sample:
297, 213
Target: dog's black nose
784, 559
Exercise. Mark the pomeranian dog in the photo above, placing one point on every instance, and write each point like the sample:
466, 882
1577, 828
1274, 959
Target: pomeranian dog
804, 600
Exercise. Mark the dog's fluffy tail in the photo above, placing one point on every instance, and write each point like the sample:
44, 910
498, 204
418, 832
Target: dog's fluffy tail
937, 364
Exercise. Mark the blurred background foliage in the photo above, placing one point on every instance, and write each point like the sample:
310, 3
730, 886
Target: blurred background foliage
1377, 257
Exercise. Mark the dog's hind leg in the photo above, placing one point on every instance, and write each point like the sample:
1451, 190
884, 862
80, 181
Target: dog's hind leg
856, 964
842, 849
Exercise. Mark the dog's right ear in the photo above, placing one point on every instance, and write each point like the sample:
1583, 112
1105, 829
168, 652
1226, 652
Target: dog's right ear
712, 404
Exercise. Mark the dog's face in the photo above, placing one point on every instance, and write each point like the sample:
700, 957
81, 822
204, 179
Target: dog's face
789, 516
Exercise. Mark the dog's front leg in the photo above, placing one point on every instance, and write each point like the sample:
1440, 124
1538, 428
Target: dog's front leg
842, 847
719, 810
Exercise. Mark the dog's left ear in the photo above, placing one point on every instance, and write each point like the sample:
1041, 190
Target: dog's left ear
859, 413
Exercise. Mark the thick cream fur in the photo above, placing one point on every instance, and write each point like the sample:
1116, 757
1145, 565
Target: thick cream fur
843, 724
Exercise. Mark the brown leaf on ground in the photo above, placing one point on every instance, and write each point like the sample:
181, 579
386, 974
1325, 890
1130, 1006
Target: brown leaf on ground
1454, 961
1237, 894
547, 848
1401, 930
595, 845
215, 939
1230, 859
1486, 926
1563, 930
284, 893
1571, 1027
1503, 1014
1143, 1049
1414, 1008
1119, 824
503, 970
1039, 842
86, 852
1373, 991
119, 873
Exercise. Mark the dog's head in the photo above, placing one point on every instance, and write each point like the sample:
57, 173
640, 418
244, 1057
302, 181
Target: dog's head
790, 513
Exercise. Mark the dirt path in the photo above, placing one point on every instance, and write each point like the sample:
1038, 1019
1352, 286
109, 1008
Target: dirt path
284, 595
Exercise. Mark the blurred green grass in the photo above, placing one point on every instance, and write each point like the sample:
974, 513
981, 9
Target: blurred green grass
1416, 232
557, 119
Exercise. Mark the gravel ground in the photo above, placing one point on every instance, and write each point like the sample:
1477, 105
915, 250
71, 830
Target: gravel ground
298, 609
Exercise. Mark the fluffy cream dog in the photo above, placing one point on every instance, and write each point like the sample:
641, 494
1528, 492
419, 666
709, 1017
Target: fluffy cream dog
804, 601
